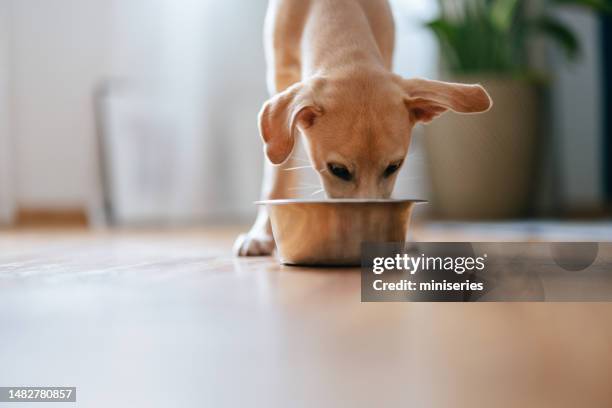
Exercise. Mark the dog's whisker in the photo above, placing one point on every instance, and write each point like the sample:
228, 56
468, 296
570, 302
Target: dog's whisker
416, 153
301, 159
298, 168
318, 191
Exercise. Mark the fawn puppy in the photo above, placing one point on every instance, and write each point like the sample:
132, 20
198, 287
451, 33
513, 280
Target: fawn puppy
330, 81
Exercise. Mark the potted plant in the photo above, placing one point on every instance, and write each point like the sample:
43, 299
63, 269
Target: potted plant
484, 166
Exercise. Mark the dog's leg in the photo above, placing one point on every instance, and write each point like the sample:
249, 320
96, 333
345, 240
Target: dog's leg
277, 183
283, 65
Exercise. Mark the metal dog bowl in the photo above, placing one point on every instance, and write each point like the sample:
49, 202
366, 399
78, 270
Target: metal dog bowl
330, 232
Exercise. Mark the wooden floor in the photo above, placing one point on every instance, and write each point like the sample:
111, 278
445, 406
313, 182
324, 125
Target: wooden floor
171, 319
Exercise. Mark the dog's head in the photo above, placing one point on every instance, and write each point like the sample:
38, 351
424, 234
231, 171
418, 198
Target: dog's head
357, 128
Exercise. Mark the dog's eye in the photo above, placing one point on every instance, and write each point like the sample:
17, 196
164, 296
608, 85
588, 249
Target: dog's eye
340, 171
392, 168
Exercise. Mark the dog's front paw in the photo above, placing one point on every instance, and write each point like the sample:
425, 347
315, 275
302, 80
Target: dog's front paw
254, 244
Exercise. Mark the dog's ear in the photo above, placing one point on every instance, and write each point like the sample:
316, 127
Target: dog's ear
427, 99
281, 115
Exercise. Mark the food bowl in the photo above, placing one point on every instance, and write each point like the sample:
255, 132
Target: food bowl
330, 232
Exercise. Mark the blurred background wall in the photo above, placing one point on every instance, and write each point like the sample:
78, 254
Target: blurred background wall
59, 51
192, 73
6, 182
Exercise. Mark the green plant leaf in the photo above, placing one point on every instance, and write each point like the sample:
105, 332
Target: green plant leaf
558, 32
473, 43
502, 13
447, 37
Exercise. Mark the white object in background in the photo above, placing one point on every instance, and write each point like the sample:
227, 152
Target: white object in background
143, 156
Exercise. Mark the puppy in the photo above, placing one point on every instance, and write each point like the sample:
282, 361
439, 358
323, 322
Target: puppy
330, 81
